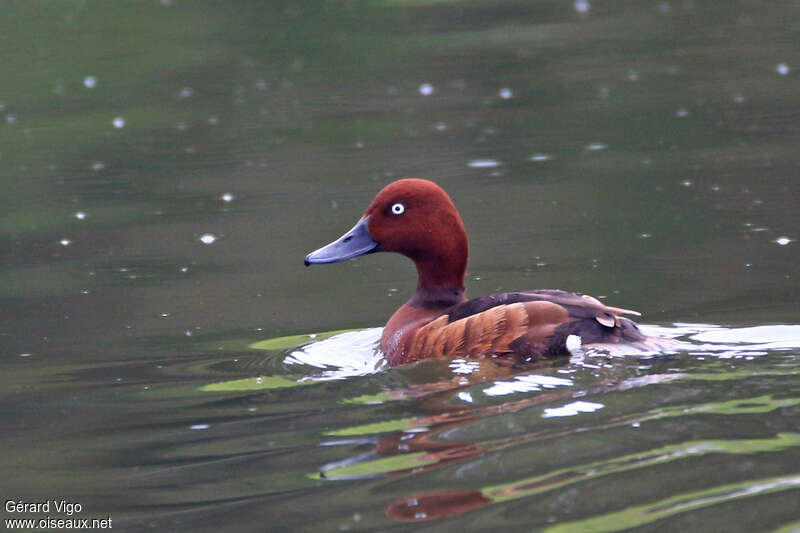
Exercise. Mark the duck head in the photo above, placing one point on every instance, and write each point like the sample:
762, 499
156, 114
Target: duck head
415, 218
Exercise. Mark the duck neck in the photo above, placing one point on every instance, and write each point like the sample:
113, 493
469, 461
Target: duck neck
440, 282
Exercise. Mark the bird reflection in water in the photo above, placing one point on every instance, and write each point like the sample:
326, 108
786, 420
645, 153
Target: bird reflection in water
420, 448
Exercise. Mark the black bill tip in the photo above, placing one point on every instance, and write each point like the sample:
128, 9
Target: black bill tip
357, 241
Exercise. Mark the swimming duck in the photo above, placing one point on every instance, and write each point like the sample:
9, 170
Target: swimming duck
417, 218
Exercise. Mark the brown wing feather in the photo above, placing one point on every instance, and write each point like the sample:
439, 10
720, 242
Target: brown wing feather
524, 324
516, 323
423, 344
488, 332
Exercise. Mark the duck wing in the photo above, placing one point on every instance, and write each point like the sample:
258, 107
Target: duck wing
527, 325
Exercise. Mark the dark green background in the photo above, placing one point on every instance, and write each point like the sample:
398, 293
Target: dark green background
303, 111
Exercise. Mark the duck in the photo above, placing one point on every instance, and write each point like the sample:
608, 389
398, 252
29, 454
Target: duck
417, 218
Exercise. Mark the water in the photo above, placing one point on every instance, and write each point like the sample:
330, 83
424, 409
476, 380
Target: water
167, 165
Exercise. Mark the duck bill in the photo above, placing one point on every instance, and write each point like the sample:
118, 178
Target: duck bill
357, 241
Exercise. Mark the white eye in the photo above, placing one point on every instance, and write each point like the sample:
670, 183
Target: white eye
398, 209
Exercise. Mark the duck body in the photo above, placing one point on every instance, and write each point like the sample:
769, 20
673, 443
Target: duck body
523, 325
418, 219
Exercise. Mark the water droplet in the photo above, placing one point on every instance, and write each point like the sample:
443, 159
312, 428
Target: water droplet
505, 93
582, 6
184, 269
186, 92
682, 112
188, 333
227, 197
426, 89
208, 238
687, 183
738, 98
261, 85
420, 516
89, 82
80, 215
483, 163
98, 166
11, 118
636, 425
181, 126
24, 355
213, 120
65, 242
633, 75
440, 126
645, 235
118, 122
782, 69
539, 158
597, 146
200, 426
783, 241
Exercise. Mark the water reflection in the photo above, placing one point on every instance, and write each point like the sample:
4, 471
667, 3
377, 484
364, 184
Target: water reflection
132, 129
441, 504
339, 355
462, 394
